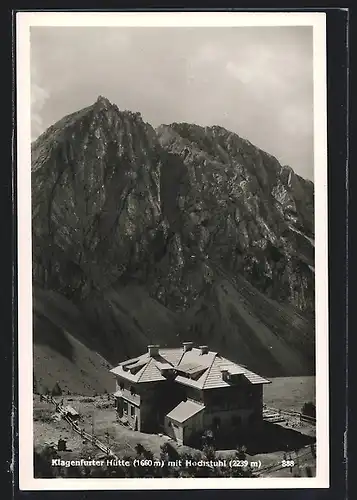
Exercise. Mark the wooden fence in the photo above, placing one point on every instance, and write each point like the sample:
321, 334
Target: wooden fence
84, 434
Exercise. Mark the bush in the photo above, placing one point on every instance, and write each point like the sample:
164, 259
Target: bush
56, 391
140, 450
309, 409
241, 452
170, 451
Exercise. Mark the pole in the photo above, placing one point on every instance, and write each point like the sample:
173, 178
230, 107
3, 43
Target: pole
107, 436
92, 428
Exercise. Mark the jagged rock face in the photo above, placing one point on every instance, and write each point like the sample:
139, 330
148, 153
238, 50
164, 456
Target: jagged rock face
116, 201
96, 198
245, 212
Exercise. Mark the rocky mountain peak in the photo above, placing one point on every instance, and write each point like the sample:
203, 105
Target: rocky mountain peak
192, 226
103, 100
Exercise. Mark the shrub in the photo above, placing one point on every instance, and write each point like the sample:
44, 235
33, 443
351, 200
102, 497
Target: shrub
140, 450
170, 451
309, 409
209, 452
56, 391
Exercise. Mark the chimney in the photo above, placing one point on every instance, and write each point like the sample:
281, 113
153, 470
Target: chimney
204, 349
153, 350
187, 346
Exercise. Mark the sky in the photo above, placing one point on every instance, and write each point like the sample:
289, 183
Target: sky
254, 81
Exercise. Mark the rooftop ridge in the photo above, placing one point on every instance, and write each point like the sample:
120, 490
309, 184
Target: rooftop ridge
145, 368
182, 355
170, 348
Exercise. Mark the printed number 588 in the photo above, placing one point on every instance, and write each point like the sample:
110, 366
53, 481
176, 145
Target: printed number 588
287, 463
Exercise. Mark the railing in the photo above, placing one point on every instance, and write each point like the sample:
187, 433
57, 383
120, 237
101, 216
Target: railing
291, 413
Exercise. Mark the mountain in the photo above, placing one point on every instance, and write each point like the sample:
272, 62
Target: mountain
184, 232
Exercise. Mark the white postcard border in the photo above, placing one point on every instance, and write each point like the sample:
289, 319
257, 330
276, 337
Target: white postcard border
24, 20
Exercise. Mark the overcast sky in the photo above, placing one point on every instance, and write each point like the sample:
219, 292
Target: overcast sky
257, 82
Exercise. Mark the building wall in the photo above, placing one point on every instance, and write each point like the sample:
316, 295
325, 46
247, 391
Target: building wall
233, 407
174, 430
130, 390
227, 419
129, 404
183, 432
148, 404
193, 393
130, 411
193, 426
240, 397
152, 399
157, 399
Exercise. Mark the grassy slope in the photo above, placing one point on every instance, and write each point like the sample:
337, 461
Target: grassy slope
245, 326
129, 320
290, 393
71, 345
59, 352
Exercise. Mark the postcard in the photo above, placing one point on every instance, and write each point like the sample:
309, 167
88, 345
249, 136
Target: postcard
172, 255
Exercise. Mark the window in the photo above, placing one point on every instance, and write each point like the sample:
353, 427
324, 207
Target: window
132, 411
132, 390
125, 406
121, 385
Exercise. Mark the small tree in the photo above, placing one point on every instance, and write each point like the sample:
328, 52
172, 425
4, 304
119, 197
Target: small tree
308, 471
207, 438
209, 452
309, 409
241, 452
56, 391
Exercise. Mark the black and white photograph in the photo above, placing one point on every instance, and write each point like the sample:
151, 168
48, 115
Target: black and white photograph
172, 214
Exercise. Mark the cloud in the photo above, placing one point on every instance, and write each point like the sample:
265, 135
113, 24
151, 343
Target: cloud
39, 97
242, 74
257, 82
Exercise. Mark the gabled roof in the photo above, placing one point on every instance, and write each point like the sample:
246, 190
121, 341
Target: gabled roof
185, 410
203, 371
